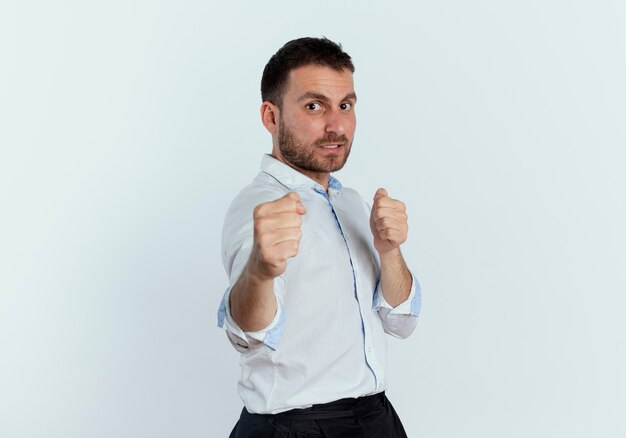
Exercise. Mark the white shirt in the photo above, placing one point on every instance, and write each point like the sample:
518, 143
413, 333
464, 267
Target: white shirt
327, 339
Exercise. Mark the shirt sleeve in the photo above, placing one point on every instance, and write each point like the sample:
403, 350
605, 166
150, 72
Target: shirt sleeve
399, 321
237, 240
245, 342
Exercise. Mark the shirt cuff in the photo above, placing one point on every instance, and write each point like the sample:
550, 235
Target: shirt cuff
249, 341
411, 306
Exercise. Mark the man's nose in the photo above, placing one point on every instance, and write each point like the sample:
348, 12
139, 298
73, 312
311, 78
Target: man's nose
335, 123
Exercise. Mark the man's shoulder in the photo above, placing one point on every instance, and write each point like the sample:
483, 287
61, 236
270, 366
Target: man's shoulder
263, 188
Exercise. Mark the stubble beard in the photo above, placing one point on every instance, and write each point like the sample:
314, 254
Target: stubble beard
308, 157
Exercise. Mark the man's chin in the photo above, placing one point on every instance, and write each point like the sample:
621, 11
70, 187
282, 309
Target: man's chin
330, 164
317, 164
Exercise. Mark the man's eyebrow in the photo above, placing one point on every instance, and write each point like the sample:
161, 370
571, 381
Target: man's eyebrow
318, 96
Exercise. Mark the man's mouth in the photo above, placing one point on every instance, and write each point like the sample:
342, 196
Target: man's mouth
331, 146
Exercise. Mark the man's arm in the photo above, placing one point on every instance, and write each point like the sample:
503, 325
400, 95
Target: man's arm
395, 277
388, 221
276, 238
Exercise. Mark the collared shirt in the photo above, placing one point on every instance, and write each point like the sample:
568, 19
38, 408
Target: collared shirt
327, 339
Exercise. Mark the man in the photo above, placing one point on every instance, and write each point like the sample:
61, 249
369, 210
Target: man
316, 277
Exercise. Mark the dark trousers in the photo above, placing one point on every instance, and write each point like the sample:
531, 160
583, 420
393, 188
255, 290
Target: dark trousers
364, 417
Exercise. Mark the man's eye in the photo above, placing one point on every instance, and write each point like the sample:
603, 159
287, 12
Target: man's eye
313, 106
345, 106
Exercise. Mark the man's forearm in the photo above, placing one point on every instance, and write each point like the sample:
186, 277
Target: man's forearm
276, 239
395, 278
252, 302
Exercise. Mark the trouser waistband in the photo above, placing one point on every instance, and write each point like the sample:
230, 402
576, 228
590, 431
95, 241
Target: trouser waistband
345, 407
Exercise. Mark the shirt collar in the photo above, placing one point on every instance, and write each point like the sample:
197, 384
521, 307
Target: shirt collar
291, 178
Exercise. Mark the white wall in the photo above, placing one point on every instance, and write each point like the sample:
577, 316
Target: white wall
127, 127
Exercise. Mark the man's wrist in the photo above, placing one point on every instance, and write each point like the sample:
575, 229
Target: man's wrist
391, 255
255, 277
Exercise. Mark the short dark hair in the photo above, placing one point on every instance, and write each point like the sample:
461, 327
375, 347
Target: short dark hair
298, 53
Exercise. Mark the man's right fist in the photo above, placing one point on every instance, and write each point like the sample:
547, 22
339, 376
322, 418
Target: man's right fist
277, 235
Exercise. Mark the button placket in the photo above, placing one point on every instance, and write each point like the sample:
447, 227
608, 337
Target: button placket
370, 356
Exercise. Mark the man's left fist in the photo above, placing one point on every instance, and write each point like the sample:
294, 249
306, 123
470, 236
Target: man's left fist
388, 221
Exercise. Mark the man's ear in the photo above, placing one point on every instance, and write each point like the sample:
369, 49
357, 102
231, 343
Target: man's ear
269, 116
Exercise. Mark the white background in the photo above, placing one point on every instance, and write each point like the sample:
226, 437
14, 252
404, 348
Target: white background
126, 128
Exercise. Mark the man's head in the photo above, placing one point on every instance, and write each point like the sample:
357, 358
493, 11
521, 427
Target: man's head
308, 106
298, 53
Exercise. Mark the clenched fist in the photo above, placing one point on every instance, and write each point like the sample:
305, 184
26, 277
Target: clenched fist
388, 221
277, 235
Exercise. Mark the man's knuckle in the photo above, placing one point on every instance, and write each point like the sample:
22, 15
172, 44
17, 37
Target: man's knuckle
260, 227
259, 210
263, 240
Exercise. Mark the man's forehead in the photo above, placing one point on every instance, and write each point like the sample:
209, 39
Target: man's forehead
319, 79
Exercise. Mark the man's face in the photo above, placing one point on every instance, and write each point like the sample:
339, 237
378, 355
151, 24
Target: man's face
317, 120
